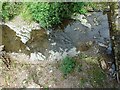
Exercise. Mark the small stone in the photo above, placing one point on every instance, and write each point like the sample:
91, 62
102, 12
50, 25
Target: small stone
28, 48
102, 45
51, 71
1, 47
33, 85
94, 37
103, 64
19, 50
53, 44
113, 37
90, 43
49, 85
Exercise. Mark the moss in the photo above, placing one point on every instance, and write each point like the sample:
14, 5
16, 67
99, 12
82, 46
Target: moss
95, 74
97, 77
10, 9
82, 81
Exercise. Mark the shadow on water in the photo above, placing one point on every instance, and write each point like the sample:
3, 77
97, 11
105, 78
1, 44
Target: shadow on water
37, 43
72, 34
94, 41
63, 25
11, 41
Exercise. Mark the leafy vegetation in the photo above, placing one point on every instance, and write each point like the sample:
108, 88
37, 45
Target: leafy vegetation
78, 7
82, 81
25, 13
47, 14
97, 77
67, 65
10, 9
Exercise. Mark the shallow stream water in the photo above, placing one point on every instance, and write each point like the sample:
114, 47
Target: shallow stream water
91, 35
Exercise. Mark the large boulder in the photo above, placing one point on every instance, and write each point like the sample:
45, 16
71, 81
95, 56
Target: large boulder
22, 28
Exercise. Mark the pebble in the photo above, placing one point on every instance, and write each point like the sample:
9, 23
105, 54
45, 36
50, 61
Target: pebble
102, 45
51, 71
1, 47
53, 44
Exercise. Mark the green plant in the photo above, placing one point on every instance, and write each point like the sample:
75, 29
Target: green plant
67, 65
10, 9
25, 13
49, 14
79, 66
97, 77
82, 81
78, 7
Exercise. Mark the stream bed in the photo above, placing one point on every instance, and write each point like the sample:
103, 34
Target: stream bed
85, 33
88, 34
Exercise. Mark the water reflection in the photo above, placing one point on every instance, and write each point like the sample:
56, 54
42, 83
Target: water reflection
11, 41
37, 43
70, 34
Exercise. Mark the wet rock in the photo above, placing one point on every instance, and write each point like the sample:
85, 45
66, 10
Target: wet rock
49, 31
22, 28
95, 21
109, 50
82, 19
72, 52
53, 55
1, 51
60, 55
37, 56
102, 44
103, 65
53, 44
112, 70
